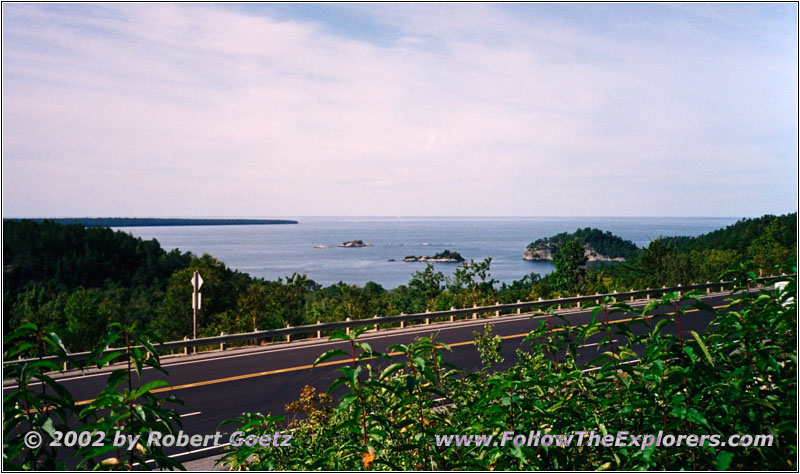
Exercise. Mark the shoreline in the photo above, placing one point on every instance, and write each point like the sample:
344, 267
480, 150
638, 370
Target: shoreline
152, 221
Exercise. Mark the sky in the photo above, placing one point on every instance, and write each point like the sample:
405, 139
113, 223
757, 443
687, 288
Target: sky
399, 109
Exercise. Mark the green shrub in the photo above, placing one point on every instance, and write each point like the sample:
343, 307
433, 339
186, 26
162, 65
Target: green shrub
738, 377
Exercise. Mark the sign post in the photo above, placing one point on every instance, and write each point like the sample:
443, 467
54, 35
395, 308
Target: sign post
197, 299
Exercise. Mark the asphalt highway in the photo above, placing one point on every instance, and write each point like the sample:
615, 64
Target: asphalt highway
222, 385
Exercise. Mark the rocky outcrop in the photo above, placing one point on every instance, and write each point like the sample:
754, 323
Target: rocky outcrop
545, 254
432, 259
540, 254
442, 257
355, 243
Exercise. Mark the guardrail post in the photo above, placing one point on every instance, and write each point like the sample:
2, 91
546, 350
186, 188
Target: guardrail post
402, 323
596, 293
376, 324
65, 366
615, 298
319, 333
452, 317
647, 295
474, 315
186, 349
519, 310
632, 297
579, 303
497, 313
288, 336
427, 320
708, 290
721, 287
348, 328
222, 344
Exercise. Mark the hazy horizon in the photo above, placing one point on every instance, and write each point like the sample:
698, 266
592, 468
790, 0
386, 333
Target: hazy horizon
389, 217
301, 110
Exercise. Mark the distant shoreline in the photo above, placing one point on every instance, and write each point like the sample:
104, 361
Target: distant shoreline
152, 221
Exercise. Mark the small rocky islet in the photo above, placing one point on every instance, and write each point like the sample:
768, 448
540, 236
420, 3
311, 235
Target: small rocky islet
354, 243
442, 257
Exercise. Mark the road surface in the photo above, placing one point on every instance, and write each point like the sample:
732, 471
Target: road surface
221, 385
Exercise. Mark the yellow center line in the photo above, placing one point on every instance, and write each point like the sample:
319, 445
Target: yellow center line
342, 362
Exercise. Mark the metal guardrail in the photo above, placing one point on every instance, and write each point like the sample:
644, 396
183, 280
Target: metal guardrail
402, 318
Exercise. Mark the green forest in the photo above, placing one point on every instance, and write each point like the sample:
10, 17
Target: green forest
80, 279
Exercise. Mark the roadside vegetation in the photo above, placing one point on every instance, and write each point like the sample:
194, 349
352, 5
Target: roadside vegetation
78, 280
737, 377
126, 407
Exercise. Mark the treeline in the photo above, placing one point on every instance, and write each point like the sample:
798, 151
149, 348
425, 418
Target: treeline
78, 280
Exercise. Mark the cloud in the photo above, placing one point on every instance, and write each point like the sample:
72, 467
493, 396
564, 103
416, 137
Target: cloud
176, 109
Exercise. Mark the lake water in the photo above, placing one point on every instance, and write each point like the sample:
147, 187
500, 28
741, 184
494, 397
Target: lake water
272, 251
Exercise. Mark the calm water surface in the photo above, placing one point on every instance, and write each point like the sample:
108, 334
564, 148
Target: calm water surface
272, 251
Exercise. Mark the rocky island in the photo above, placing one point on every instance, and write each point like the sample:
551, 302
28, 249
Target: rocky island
441, 257
598, 246
355, 243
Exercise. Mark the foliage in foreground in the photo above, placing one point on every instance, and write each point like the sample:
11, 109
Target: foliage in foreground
126, 406
739, 377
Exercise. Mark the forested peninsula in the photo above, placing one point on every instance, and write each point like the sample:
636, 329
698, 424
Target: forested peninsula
598, 246
78, 279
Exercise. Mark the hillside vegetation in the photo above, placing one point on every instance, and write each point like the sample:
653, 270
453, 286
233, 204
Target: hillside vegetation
742, 235
82, 279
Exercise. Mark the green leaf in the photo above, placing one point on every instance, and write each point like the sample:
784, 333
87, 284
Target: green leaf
696, 417
339, 335
147, 387
331, 353
17, 350
690, 352
336, 383
702, 347
54, 340
48, 427
21, 331
103, 361
390, 370
723, 461
650, 306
